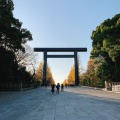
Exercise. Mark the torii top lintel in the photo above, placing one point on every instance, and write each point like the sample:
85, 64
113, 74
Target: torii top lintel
60, 49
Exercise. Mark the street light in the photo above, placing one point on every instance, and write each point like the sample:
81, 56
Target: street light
21, 69
116, 68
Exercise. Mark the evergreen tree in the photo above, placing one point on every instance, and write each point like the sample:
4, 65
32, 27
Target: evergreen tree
8, 65
12, 36
106, 43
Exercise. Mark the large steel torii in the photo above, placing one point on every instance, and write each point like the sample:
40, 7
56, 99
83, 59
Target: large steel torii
75, 50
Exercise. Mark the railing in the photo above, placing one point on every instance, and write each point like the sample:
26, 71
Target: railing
9, 86
16, 86
112, 86
116, 86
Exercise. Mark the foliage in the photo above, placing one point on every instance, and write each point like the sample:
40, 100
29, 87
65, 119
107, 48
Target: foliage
27, 58
12, 36
71, 77
80, 69
90, 73
8, 65
106, 43
89, 78
49, 77
65, 82
39, 74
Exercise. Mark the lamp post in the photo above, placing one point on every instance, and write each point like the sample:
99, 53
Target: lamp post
22, 69
115, 69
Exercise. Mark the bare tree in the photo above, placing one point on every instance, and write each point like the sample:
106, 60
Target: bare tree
27, 59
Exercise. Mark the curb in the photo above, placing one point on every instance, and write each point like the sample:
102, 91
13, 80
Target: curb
103, 89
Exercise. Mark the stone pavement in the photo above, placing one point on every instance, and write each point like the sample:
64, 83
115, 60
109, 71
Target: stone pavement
77, 103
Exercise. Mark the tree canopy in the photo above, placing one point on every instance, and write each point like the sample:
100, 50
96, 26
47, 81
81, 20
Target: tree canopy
39, 74
106, 38
106, 43
12, 35
71, 76
8, 65
12, 39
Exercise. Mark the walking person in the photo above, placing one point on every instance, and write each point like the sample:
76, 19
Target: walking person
52, 88
58, 87
62, 87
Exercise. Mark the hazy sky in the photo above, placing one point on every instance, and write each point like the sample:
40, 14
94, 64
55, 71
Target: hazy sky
63, 23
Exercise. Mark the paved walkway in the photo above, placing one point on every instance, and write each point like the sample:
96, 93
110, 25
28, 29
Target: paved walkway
77, 103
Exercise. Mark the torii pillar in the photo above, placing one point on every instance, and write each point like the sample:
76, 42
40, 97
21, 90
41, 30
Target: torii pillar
76, 68
44, 67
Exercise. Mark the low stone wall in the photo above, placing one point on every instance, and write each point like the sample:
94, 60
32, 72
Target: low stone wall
116, 86
112, 86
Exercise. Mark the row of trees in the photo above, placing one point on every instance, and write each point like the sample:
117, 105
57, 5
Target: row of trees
71, 76
39, 74
104, 62
85, 78
17, 59
15, 55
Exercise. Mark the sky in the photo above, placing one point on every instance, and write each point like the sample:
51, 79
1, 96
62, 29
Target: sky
63, 23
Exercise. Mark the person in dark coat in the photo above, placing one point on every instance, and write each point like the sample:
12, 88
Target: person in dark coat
58, 87
52, 88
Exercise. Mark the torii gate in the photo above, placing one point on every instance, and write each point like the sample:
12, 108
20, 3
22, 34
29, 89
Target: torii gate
75, 50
